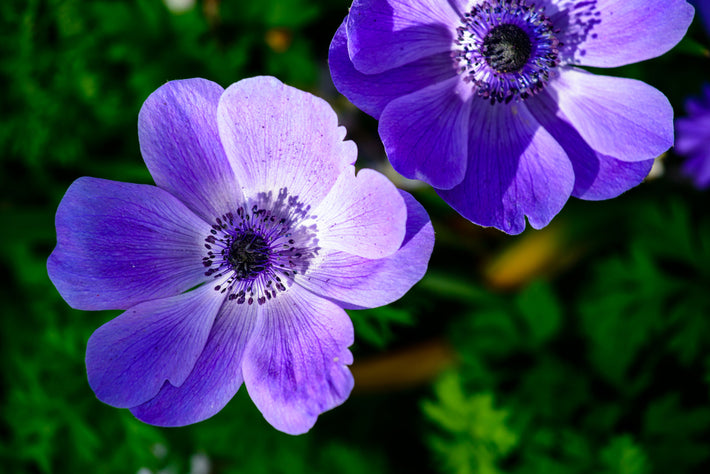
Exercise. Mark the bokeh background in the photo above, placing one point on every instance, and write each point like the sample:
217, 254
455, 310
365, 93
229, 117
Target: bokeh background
581, 348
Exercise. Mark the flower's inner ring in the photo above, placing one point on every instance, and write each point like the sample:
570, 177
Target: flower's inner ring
506, 49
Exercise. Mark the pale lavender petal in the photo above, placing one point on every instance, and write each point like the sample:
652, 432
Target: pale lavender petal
596, 176
372, 92
385, 34
119, 244
277, 137
129, 358
215, 378
612, 33
355, 282
425, 133
295, 365
177, 130
363, 215
623, 118
515, 169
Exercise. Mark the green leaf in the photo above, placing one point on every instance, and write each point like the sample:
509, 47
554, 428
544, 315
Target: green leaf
540, 311
475, 433
623, 456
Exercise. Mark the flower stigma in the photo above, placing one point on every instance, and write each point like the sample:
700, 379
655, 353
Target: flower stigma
507, 49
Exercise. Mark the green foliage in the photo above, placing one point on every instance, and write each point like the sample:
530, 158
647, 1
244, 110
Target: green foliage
595, 368
476, 432
603, 368
374, 326
623, 456
653, 296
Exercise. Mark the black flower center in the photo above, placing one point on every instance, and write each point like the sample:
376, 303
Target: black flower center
248, 254
507, 48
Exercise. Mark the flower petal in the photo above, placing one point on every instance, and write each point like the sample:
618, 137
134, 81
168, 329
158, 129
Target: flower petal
516, 168
363, 215
612, 33
277, 136
356, 282
697, 168
623, 118
596, 176
215, 378
119, 244
129, 358
702, 10
372, 92
385, 34
425, 133
179, 140
295, 366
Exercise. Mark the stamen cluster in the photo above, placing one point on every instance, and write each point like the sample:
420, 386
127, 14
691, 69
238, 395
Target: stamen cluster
506, 49
259, 250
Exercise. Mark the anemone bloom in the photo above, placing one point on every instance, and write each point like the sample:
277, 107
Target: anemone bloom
693, 138
483, 99
238, 264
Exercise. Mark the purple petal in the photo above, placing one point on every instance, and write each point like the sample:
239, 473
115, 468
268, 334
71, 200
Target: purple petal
356, 282
277, 136
623, 118
295, 366
363, 215
372, 92
693, 138
693, 130
425, 133
697, 167
119, 244
596, 176
515, 169
129, 358
385, 34
702, 8
612, 33
177, 130
214, 380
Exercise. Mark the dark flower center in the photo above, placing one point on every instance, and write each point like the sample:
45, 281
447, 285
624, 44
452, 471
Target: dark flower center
257, 251
507, 48
248, 253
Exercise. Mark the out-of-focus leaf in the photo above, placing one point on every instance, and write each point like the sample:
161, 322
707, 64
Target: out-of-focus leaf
540, 311
476, 435
375, 325
623, 456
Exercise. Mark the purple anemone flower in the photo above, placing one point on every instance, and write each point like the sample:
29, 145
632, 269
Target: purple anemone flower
482, 99
238, 264
693, 139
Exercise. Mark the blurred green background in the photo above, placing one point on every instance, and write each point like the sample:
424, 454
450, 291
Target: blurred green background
581, 348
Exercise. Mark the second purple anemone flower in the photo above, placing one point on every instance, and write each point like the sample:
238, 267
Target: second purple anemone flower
482, 99
236, 267
693, 138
